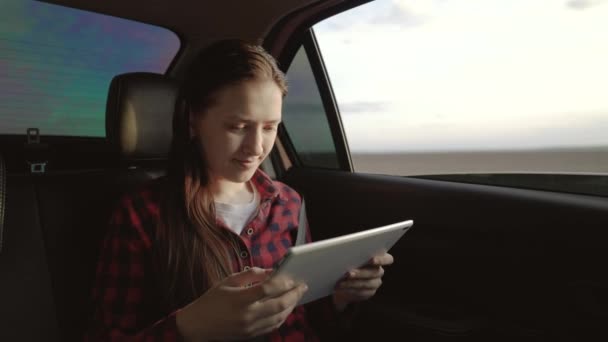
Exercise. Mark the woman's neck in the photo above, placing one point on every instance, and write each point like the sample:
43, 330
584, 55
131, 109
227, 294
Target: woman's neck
231, 192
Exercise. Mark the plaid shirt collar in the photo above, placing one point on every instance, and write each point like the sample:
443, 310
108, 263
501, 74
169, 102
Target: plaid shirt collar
266, 187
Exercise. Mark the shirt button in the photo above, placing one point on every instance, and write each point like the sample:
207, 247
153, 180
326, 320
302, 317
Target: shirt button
244, 254
250, 231
246, 268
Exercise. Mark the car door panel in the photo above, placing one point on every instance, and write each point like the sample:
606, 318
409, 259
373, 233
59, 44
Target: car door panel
481, 261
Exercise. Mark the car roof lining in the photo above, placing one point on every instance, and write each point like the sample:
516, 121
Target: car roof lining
198, 21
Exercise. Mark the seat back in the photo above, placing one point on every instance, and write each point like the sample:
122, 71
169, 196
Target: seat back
2, 197
75, 207
27, 309
55, 221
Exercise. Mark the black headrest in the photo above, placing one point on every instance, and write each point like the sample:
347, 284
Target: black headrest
138, 114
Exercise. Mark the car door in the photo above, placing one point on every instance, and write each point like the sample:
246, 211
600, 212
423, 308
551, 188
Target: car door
510, 253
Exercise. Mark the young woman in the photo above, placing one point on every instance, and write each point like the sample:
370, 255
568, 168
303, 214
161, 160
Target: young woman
187, 257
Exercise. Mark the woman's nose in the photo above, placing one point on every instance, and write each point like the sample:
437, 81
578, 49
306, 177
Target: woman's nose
253, 144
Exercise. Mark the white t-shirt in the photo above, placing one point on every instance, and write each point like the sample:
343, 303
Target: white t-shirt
236, 216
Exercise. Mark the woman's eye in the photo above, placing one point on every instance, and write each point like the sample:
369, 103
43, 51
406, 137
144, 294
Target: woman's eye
237, 127
270, 128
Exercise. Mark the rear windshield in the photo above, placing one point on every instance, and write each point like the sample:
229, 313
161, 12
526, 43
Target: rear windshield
56, 64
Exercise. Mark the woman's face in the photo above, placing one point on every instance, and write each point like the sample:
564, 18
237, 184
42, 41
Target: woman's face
239, 129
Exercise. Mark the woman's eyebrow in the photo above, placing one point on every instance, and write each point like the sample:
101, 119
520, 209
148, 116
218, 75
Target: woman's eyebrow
240, 119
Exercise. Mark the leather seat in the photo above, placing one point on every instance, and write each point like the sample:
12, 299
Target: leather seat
55, 221
139, 115
27, 310
138, 126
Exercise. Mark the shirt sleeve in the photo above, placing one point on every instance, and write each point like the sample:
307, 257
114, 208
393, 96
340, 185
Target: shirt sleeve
121, 309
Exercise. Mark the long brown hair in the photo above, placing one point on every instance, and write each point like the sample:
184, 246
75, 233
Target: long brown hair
194, 253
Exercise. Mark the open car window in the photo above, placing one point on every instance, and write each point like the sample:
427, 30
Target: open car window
56, 64
455, 90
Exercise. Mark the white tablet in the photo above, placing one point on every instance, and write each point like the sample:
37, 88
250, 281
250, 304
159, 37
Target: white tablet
321, 264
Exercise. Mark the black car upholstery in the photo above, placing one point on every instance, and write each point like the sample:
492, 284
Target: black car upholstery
56, 220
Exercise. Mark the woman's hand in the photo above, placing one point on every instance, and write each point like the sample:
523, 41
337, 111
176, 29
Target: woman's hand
235, 310
361, 283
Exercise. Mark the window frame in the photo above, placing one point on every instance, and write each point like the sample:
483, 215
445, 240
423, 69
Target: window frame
309, 43
299, 30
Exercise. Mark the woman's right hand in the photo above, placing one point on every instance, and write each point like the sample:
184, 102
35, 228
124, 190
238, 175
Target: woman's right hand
233, 310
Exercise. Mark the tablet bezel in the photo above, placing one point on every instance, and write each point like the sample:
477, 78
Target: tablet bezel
336, 256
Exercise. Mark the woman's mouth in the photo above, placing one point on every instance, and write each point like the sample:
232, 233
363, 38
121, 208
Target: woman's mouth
246, 163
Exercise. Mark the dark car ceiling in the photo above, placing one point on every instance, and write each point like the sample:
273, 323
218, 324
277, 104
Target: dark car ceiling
198, 20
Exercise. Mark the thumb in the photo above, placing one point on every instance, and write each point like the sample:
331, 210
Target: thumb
244, 278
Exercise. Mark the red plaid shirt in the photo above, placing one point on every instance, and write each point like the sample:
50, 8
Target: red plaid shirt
124, 297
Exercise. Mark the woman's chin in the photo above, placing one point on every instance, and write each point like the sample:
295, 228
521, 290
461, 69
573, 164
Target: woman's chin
242, 176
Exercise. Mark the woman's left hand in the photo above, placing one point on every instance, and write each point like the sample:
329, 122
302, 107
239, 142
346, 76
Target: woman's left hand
361, 283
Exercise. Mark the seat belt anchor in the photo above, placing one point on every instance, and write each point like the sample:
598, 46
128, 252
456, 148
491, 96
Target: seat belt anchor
33, 143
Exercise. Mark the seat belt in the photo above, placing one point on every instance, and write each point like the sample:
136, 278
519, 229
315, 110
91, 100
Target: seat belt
2, 197
302, 226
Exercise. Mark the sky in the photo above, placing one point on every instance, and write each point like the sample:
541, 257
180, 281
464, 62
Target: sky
424, 75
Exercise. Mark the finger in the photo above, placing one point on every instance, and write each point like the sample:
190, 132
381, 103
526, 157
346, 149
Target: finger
356, 284
382, 260
281, 303
355, 295
366, 272
243, 279
270, 323
271, 287
277, 304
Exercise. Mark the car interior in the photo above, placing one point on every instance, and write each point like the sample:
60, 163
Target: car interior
482, 262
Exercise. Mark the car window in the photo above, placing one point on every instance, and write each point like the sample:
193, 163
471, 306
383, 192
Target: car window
56, 64
454, 87
304, 116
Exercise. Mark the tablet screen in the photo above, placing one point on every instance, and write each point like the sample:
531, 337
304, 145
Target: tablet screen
322, 264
